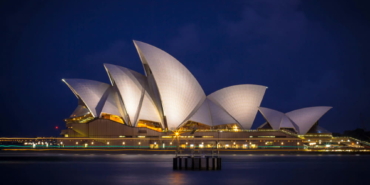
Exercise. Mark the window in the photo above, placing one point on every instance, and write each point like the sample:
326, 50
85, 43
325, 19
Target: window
269, 143
207, 136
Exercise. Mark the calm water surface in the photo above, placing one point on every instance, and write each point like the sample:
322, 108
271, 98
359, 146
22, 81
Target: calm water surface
81, 169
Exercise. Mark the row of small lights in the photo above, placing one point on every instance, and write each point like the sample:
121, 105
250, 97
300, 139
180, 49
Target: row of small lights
155, 143
123, 143
191, 145
338, 141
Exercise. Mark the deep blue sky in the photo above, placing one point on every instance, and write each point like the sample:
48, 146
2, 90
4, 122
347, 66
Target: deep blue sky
308, 53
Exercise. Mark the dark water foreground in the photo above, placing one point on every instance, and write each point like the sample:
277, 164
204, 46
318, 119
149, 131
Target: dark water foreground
116, 168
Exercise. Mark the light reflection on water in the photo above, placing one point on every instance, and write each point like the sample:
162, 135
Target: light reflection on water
50, 168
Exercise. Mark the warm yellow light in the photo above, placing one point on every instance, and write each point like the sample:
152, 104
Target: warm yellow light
123, 143
108, 143
176, 133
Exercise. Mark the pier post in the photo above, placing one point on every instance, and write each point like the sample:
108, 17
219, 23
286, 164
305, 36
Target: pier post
175, 163
207, 163
180, 162
196, 163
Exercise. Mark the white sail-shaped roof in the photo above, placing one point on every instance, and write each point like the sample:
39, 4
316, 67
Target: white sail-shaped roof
133, 90
286, 122
273, 117
80, 111
202, 115
113, 104
240, 101
180, 93
305, 118
301, 120
148, 111
219, 115
92, 93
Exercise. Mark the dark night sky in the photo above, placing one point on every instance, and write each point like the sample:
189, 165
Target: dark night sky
309, 53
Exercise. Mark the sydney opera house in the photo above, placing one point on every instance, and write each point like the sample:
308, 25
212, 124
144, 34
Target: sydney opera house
152, 108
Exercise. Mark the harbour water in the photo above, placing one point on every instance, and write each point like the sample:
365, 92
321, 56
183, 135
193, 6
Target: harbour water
117, 168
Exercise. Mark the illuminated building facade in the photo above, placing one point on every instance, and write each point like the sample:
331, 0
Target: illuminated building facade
169, 99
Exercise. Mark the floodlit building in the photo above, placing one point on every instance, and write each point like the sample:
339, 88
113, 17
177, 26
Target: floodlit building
166, 108
168, 99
